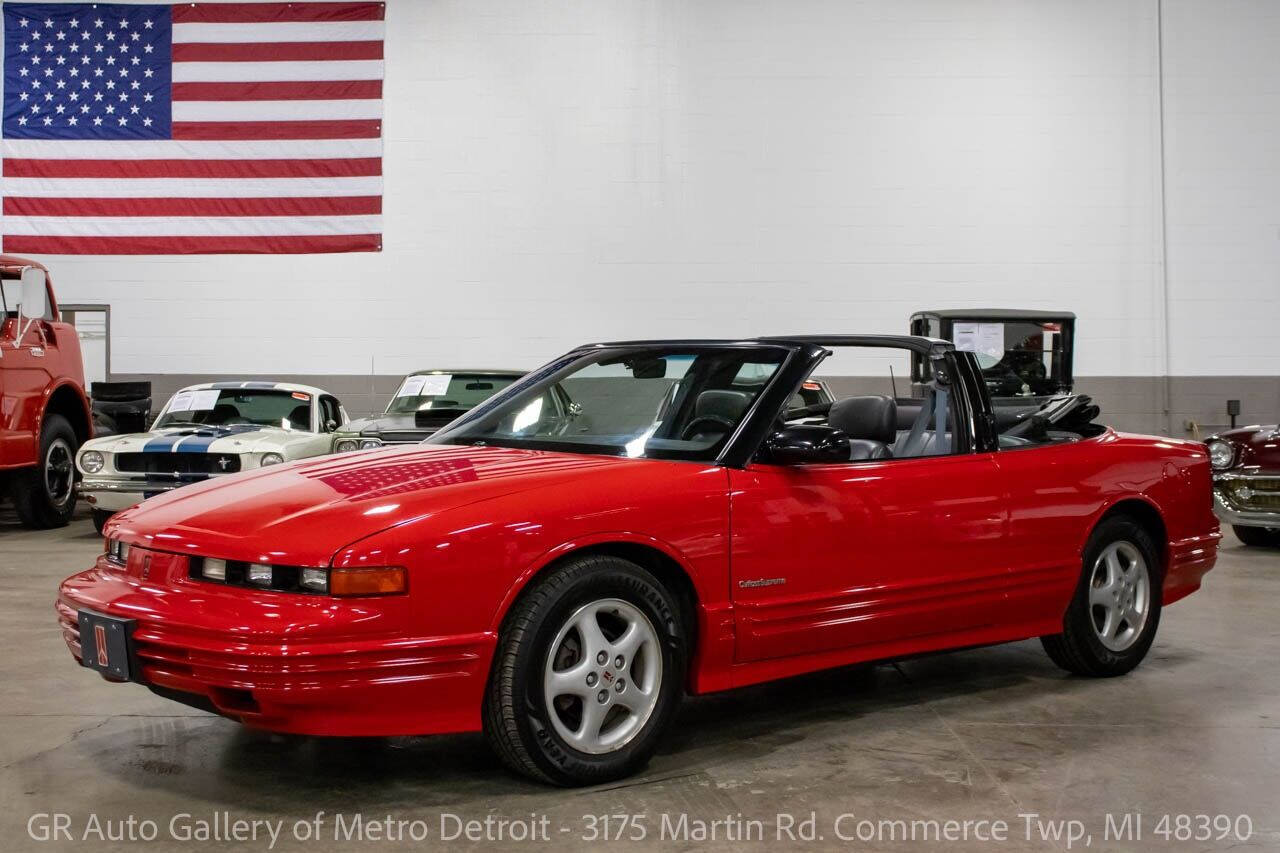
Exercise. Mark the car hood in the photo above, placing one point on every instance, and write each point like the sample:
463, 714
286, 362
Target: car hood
1258, 446
239, 438
397, 423
302, 513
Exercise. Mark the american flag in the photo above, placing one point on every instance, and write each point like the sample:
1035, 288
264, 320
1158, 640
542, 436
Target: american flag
192, 129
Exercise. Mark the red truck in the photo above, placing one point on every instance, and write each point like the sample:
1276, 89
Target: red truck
44, 412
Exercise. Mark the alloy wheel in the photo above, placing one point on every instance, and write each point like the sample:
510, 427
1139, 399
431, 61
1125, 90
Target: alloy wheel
1119, 596
602, 676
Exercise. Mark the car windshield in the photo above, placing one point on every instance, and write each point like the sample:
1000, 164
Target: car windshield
653, 402
1021, 357
446, 391
228, 406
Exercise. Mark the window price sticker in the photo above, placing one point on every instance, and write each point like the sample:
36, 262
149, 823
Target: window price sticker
431, 385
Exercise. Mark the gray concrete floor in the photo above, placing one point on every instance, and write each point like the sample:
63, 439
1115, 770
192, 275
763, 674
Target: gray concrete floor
980, 734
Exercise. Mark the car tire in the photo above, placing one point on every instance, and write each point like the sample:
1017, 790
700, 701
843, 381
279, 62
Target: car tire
1115, 611
100, 518
1257, 537
44, 495
547, 724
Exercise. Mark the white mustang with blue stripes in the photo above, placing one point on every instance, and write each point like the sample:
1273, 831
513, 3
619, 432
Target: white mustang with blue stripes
207, 431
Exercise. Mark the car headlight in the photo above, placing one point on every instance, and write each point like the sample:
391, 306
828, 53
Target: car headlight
346, 445
213, 569
369, 443
117, 551
91, 461
341, 581
1221, 455
270, 459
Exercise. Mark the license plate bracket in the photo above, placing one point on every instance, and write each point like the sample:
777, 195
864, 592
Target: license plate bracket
105, 644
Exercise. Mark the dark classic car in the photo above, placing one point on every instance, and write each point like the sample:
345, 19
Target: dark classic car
1246, 481
425, 401
1025, 355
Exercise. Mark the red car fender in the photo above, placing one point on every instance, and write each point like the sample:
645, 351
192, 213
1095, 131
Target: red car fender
711, 650
1109, 505
1173, 504
85, 411
578, 544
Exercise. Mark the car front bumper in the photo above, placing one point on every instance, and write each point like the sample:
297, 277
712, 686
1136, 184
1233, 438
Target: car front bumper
114, 493
1230, 509
283, 662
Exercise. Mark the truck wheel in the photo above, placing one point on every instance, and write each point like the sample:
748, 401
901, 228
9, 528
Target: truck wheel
100, 518
45, 494
588, 671
1258, 537
1112, 619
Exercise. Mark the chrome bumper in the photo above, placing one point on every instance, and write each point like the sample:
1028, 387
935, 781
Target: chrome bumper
1229, 513
91, 485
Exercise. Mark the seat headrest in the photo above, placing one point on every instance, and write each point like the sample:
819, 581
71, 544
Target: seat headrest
221, 413
874, 418
730, 405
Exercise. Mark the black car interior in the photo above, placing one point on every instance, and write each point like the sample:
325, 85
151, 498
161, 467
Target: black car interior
883, 427
715, 413
870, 422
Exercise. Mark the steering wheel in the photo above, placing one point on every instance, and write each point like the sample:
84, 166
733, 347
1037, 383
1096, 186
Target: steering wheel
689, 432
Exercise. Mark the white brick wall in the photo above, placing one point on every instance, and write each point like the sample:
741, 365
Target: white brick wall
575, 170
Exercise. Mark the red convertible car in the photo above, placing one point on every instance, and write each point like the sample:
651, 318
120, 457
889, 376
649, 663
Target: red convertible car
637, 521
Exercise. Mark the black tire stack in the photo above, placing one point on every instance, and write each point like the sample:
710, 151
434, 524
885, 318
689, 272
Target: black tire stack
120, 407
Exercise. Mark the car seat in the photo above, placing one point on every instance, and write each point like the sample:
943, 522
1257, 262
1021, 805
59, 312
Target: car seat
870, 422
300, 417
715, 413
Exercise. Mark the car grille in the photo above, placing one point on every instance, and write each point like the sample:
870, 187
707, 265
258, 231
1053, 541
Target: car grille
408, 437
177, 463
1261, 493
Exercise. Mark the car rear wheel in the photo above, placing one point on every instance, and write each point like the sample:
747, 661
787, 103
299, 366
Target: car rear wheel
45, 494
1112, 619
589, 669
1258, 537
100, 518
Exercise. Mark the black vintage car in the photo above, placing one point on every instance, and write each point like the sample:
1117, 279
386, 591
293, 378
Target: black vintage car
1025, 356
425, 401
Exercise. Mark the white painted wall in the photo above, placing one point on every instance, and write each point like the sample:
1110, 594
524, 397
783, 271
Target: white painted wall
574, 170
1222, 97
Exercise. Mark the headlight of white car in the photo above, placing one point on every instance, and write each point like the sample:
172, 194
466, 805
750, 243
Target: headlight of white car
369, 443
91, 461
270, 459
346, 445
1221, 455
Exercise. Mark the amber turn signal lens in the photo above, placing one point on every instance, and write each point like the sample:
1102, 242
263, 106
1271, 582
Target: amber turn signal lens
381, 581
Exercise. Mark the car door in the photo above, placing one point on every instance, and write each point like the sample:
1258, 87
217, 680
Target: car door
835, 556
24, 376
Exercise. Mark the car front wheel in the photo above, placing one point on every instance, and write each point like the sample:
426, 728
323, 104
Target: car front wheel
1257, 537
1112, 619
589, 669
45, 494
100, 518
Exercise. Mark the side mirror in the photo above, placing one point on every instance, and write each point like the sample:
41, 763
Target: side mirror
806, 444
35, 294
